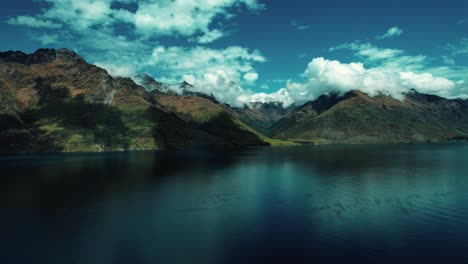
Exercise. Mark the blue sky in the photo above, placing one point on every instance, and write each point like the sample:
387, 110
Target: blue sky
254, 50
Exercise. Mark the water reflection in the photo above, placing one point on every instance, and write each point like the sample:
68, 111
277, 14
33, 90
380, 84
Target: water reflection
383, 203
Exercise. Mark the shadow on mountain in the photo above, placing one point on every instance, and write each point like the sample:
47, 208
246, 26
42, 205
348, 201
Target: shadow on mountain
224, 126
59, 117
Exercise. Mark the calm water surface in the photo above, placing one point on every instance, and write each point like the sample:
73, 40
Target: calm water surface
322, 204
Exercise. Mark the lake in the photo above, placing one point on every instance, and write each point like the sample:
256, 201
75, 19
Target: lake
306, 204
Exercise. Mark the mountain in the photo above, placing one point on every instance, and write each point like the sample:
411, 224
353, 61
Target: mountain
204, 112
53, 100
261, 116
358, 118
150, 84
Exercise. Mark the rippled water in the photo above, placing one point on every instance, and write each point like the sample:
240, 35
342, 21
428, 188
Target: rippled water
315, 204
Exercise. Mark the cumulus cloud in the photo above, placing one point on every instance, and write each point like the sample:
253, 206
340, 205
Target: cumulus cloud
183, 17
218, 72
379, 71
124, 37
177, 61
391, 33
149, 18
77, 14
222, 73
333, 76
251, 76
281, 96
324, 76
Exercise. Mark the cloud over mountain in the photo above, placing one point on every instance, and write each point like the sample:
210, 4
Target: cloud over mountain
211, 71
125, 36
176, 40
332, 76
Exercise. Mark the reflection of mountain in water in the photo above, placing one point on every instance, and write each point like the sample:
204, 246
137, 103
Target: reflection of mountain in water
254, 205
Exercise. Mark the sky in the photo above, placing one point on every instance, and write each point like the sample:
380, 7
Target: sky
257, 50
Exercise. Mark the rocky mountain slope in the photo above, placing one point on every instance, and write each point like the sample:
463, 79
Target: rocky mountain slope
202, 111
53, 100
358, 118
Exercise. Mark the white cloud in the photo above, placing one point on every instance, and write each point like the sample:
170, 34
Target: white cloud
209, 37
78, 15
392, 74
33, 22
331, 76
391, 33
427, 83
395, 59
188, 18
199, 59
251, 76
369, 51
254, 5
218, 72
340, 77
281, 96
126, 41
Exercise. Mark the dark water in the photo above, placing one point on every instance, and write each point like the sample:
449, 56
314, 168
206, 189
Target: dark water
325, 204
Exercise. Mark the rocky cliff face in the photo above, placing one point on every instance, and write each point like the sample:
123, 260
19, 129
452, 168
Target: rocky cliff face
61, 68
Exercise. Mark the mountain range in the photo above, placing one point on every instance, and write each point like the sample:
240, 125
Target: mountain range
54, 101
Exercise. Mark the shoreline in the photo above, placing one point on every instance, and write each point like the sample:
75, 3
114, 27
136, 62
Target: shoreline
293, 144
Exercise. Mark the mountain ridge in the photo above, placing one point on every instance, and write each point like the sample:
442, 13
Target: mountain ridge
358, 118
55, 101
52, 100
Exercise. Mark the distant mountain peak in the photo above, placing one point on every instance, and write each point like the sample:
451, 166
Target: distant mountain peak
146, 78
69, 55
184, 88
41, 56
186, 85
149, 83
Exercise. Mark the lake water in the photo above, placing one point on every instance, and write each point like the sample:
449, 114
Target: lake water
310, 204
